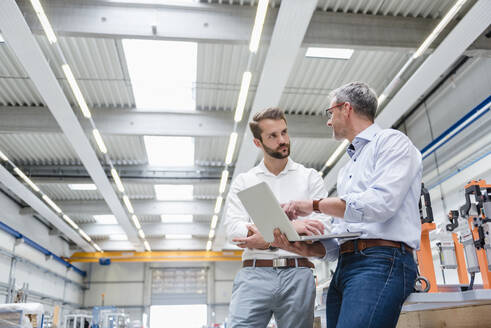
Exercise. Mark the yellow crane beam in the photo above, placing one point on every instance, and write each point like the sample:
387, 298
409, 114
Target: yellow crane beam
157, 256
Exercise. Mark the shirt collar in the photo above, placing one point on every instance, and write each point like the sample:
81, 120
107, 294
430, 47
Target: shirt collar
290, 166
362, 139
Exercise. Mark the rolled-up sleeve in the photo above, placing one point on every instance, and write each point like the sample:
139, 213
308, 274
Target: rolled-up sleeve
397, 165
236, 218
332, 249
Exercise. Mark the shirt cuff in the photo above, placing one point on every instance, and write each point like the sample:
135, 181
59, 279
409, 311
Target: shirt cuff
332, 249
353, 212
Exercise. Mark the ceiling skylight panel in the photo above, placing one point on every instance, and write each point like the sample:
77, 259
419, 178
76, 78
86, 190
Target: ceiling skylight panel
169, 151
174, 192
163, 73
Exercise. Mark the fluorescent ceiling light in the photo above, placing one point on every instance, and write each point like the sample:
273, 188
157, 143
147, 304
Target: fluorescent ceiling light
70, 222
223, 181
337, 153
382, 98
232, 142
106, 219
147, 246
218, 204
136, 222
176, 236
163, 73
76, 90
176, 218
117, 180
97, 248
118, 236
51, 203
169, 151
2, 40
3, 157
82, 186
26, 179
214, 221
141, 234
84, 235
262, 8
241, 101
332, 53
174, 192
211, 234
99, 141
445, 20
128, 205
208, 245
50, 34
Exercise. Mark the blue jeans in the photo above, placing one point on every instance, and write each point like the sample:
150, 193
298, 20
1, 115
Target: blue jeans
369, 288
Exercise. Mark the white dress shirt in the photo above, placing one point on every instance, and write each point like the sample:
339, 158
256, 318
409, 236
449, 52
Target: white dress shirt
293, 183
381, 185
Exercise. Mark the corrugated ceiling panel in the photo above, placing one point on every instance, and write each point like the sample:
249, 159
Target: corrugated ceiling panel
206, 191
312, 79
125, 150
140, 191
38, 149
312, 152
220, 69
211, 150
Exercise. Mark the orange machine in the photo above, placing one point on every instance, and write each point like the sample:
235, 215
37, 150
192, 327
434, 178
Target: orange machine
424, 255
457, 248
477, 212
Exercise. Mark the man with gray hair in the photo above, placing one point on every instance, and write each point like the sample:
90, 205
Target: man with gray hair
379, 191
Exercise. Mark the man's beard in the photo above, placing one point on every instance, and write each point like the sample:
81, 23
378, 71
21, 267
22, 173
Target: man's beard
277, 153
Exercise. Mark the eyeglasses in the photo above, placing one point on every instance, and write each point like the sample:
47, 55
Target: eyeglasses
328, 111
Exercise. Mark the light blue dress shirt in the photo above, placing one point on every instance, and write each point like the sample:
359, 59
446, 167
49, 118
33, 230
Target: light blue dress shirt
381, 185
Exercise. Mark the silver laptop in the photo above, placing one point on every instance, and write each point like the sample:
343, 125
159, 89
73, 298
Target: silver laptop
267, 215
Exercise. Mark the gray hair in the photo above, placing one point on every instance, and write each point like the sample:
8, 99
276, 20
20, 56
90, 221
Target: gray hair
361, 97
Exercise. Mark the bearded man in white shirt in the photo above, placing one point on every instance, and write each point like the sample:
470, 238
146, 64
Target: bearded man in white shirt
266, 286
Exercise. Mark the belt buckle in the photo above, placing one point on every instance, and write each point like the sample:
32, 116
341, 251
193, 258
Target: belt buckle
279, 263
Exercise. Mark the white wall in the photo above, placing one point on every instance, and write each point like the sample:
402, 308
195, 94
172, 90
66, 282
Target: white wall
40, 281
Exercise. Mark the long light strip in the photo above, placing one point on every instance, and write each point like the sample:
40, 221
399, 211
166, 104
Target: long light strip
437, 30
26, 179
262, 8
43, 19
232, 142
84, 235
97, 247
76, 90
128, 205
141, 234
3, 157
244, 91
208, 245
214, 221
52, 204
223, 181
70, 222
117, 180
337, 153
99, 141
211, 234
147, 246
218, 204
134, 218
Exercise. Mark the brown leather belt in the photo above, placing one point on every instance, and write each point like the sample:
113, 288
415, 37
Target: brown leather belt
280, 263
349, 246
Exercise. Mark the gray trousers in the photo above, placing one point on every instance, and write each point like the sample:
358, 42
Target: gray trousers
258, 293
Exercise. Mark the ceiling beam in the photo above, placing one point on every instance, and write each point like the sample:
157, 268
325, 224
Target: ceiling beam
156, 244
142, 207
289, 30
473, 24
212, 23
142, 181
138, 123
150, 229
23, 44
38, 206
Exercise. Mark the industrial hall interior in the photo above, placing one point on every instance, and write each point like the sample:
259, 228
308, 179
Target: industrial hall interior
245, 163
